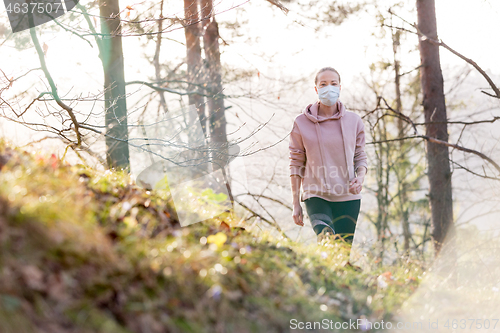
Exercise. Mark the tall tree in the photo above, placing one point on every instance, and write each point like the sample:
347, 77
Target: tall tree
403, 184
192, 31
440, 193
111, 54
194, 61
217, 117
156, 58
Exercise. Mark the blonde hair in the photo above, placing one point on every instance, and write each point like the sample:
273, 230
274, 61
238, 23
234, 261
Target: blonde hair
324, 69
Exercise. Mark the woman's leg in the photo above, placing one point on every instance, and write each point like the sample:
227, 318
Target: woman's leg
320, 214
345, 217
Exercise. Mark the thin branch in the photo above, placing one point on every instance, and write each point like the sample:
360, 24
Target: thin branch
474, 173
162, 89
473, 63
276, 225
424, 37
401, 115
434, 140
72, 31
495, 118
91, 27
175, 20
441, 142
279, 5
53, 87
266, 197
467, 150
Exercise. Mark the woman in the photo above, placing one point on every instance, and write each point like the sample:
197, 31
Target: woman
328, 158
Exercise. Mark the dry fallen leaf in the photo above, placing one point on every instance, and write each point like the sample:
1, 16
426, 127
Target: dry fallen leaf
56, 288
33, 277
225, 226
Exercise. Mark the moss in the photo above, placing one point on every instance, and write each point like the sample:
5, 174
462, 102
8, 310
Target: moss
91, 251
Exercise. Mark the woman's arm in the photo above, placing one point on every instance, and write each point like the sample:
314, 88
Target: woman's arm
297, 166
360, 158
297, 152
361, 172
296, 181
297, 214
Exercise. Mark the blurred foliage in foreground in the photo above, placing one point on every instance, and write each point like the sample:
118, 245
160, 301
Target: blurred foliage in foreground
89, 251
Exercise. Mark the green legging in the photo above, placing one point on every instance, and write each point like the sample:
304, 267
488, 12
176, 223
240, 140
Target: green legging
341, 217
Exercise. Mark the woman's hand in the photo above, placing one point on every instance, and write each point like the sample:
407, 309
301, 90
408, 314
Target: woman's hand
298, 217
356, 185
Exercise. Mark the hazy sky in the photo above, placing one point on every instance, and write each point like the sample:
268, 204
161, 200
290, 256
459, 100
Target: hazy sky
464, 25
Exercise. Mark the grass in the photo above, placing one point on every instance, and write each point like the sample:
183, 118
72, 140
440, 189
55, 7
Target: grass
89, 251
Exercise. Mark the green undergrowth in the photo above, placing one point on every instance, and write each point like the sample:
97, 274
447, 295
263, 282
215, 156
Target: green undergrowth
89, 251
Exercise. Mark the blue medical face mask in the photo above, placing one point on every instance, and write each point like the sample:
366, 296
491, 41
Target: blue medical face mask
329, 95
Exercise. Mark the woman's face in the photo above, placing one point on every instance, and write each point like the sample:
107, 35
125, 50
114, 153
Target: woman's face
327, 78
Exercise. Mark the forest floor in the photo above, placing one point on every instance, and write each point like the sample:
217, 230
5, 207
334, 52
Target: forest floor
89, 251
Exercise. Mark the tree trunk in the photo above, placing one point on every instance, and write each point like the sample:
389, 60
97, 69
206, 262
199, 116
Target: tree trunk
382, 189
440, 193
216, 110
194, 62
402, 170
196, 157
156, 61
111, 53
216, 113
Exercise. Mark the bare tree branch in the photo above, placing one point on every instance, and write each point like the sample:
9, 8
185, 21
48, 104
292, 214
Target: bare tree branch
266, 197
434, 140
279, 5
458, 54
53, 87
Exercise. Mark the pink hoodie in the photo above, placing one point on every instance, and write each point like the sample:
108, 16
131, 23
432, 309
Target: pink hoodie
320, 148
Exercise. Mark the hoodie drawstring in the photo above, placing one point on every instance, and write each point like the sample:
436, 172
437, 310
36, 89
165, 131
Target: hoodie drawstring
345, 155
318, 133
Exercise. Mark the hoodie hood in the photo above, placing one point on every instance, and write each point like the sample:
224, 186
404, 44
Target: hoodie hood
311, 112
